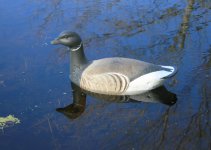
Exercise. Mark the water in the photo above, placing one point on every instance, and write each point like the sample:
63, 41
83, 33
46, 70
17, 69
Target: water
34, 78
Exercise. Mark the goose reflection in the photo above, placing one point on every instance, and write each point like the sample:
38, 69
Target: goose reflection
74, 110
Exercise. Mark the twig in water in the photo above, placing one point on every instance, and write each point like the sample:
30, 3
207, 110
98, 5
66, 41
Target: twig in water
59, 102
49, 124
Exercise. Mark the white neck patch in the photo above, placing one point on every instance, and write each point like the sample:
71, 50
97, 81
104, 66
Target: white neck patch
77, 48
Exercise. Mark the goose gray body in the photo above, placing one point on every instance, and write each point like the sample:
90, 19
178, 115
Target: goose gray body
113, 76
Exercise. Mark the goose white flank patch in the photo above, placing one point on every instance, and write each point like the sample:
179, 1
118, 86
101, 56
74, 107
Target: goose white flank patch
112, 76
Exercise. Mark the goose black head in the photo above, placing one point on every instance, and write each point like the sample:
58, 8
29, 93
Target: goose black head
67, 38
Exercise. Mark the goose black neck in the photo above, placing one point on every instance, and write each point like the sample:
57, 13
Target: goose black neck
77, 57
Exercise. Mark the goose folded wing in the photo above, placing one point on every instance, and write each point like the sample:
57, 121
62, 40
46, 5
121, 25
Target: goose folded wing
106, 83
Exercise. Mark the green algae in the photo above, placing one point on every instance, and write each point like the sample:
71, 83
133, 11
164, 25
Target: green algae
8, 121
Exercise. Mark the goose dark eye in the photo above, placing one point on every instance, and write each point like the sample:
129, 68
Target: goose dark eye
64, 37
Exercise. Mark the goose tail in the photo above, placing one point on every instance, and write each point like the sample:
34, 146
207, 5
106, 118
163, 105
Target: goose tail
172, 69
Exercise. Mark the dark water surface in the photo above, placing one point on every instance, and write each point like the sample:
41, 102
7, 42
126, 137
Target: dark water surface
34, 74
